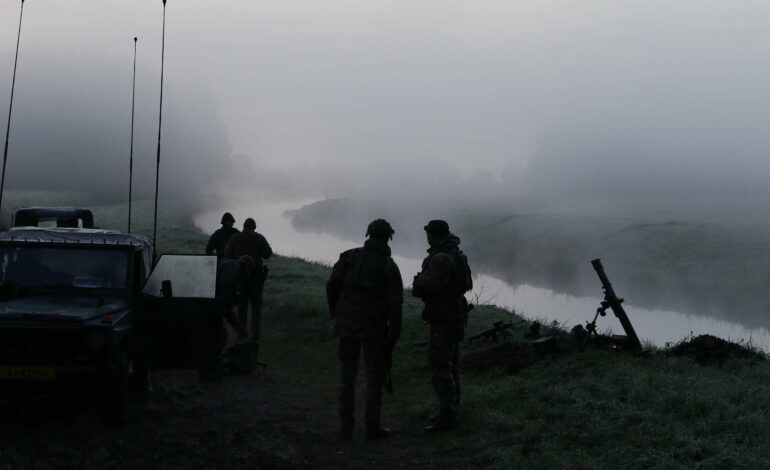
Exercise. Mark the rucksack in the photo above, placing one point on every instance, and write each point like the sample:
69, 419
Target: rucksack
462, 279
365, 270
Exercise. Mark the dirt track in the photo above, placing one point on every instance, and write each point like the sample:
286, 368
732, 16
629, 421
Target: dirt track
240, 422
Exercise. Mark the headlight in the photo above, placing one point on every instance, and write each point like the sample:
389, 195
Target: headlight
94, 341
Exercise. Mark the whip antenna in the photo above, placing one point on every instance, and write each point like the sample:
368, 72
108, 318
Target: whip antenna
160, 118
10, 106
131, 153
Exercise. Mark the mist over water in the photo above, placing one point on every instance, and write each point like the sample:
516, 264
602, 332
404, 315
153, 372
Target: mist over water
660, 326
493, 100
548, 132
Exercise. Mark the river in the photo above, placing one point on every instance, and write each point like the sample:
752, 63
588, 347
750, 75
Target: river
657, 326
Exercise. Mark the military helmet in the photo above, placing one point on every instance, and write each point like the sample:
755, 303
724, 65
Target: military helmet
227, 217
437, 227
380, 228
249, 224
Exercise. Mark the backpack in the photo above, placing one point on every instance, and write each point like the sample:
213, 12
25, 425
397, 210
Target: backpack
365, 270
462, 279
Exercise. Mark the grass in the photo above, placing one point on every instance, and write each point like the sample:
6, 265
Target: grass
590, 410
176, 231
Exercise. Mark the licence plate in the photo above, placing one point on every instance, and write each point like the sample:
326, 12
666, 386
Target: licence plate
27, 373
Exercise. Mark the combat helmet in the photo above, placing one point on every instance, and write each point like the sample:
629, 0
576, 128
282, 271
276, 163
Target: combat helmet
380, 228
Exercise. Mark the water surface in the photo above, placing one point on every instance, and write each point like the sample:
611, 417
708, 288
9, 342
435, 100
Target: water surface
658, 326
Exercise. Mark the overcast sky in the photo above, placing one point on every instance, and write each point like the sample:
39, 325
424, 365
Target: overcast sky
493, 84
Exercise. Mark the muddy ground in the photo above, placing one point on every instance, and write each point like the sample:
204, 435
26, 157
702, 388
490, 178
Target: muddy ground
240, 422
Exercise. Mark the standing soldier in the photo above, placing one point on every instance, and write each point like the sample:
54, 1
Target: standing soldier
242, 246
229, 275
365, 295
219, 239
441, 284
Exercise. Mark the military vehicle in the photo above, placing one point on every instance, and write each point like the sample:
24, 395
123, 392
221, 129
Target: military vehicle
84, 305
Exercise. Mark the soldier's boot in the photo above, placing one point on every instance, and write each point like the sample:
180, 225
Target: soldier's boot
255, 349
445, 421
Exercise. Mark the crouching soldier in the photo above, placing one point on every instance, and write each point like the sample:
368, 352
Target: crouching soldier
442, 282
365, 295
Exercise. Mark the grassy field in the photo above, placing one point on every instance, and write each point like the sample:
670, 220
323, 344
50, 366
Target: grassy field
596, 409
176, 231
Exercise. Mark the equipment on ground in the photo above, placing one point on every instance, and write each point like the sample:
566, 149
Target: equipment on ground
611, 301
499, 330
64, 217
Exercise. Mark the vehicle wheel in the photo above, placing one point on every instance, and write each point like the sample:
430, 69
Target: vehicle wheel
115, 395
140, 383
114, 404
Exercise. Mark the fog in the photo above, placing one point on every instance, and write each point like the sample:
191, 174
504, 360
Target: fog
495, 100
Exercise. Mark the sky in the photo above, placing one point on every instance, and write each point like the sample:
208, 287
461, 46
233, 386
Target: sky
654, 96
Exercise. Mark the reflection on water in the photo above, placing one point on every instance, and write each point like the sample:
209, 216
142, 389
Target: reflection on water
658, 326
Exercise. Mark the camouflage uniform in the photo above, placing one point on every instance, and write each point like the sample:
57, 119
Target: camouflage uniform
365, 294
254, 245
229, 275
441, 285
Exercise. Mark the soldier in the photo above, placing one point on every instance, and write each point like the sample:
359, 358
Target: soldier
365, 295
229, 275
219, 239
254, 245
441, 284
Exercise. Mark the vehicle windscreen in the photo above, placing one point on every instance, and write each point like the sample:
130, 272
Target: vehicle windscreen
41, 267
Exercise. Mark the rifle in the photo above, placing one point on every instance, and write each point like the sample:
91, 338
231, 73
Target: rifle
499, 328
614, 303
388, 367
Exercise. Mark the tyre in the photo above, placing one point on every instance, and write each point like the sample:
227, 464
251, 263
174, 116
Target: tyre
115, 394
140, 383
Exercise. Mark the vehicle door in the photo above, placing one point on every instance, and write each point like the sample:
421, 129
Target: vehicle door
178, 320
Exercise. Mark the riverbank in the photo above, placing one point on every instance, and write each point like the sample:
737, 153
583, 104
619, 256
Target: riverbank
697, 269
597, 409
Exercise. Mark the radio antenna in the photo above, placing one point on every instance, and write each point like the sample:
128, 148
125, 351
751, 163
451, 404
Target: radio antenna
160, 119
131, 153
10, 107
